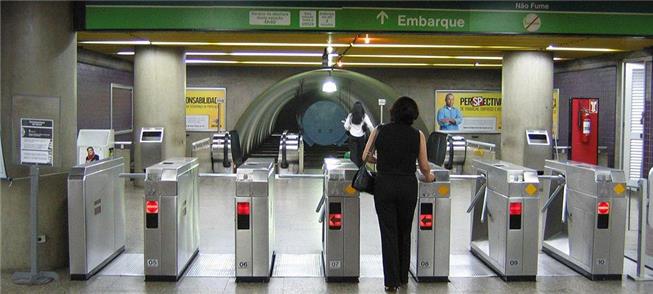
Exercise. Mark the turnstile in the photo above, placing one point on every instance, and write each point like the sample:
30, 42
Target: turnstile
221, 155
96, 216
456, 154
585, 220
291, 153
505, 219
430, 242
171, 218
254, 220
340, 215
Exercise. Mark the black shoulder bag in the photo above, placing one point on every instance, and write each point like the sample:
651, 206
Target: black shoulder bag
364, 179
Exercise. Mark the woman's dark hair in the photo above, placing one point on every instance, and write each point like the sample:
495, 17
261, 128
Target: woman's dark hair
404, 111
357, 113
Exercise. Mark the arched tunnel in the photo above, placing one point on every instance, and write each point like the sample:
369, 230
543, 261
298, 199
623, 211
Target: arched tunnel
298, 103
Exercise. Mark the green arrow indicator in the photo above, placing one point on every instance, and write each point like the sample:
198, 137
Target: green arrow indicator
382, 16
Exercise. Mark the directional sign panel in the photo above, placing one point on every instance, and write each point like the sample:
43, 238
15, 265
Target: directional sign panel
520, 19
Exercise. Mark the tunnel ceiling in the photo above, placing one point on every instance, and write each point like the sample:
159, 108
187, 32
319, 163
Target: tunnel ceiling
383, 49
257, 122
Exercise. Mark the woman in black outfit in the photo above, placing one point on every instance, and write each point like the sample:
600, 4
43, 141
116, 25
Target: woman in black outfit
398, 146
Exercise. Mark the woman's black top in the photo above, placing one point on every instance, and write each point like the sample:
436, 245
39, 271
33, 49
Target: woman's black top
397, 147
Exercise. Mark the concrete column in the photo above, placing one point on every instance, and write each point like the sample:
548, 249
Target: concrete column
159, 98
527, 89
39, 58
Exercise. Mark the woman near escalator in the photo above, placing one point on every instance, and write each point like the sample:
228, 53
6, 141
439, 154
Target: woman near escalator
357, 124
398, 146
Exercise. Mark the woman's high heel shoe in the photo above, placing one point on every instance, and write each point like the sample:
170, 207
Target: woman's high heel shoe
391, 288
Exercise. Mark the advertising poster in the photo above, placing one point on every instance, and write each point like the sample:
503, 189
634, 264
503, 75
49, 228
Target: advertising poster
480, 109
554, 109
36, 137
206, 109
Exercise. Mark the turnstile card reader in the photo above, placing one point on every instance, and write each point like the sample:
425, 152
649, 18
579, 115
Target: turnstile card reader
505, 219
585, 220
96, 216
171, 218
254, 220
537, 149
430, 240
341, 222
151, 144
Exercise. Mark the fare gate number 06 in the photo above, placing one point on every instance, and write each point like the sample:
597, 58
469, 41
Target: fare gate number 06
152, 262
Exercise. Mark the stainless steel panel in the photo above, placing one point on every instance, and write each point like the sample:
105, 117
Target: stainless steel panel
170, 247
96, 217
351, 236
261, 245
244, 245
579, 242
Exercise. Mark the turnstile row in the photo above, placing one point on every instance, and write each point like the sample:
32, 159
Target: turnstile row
504, 211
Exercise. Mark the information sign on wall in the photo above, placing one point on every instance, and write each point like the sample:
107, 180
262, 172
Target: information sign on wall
36, 136
555, 110
481, 110
206, 109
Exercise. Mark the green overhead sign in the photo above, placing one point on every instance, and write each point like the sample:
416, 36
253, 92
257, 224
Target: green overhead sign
217, 18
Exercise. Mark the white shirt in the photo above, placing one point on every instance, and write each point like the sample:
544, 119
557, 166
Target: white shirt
356, 130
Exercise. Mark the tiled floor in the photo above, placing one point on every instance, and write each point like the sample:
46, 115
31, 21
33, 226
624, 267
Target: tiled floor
297, 233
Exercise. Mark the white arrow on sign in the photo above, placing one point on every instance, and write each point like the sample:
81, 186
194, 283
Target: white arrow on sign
382, 16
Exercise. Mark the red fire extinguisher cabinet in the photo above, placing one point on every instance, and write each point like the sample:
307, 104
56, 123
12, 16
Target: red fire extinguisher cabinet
584, 129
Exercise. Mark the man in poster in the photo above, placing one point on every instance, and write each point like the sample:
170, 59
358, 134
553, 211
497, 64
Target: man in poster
449, 117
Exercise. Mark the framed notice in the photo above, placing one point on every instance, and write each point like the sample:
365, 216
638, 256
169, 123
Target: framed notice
480, 109
555, 121
206, 109
36, 137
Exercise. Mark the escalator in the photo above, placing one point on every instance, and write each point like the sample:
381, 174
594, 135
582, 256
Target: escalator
313, 155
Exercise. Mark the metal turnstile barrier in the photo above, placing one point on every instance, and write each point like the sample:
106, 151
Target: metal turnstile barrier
505, 219
221, 155
171, 218
291, 153
585, 220
430, 240
254, 218
339, 211
644, 254
456, 154
96, 216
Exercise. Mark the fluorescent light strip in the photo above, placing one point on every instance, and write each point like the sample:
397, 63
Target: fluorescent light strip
440, 46
138, 42
125, 53
384, 64
272, 54
248, 44
554, 48
423, 56
205, 61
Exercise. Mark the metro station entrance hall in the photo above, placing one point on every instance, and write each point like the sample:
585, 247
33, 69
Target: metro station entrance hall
326, 146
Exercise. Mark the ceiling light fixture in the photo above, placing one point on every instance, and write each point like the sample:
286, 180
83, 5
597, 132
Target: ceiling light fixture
367, 39
261, 54
440, 46
555, 48
423, 56
209, 61
125, 53
248, 44
329, 85
127, 42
